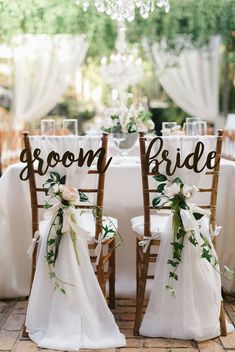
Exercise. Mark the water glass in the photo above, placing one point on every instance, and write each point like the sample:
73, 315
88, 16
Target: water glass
193, 119
70, 127
197, 128
168, 125
47, 127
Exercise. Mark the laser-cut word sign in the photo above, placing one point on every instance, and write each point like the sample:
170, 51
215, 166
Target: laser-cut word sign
155, 155
54, 158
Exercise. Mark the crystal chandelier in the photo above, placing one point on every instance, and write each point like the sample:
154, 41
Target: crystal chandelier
121, 10
124, 68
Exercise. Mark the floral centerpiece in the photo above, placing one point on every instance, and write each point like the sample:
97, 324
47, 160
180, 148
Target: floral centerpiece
127, 120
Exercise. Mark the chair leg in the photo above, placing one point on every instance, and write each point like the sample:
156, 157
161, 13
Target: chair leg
142, 271
112, 277
223, 328
24, 332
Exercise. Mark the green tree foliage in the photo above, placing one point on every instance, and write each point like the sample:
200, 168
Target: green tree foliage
200, 19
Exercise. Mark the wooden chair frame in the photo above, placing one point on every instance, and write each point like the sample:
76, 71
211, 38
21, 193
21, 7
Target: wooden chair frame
143, 259
106, 260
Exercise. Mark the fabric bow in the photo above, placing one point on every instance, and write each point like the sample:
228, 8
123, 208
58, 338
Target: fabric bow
145, 242
33, 244
187, 217
69, 220
216, 231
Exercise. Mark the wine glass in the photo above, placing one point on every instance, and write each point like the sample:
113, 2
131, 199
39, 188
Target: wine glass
118, 137
47, 127
70, 127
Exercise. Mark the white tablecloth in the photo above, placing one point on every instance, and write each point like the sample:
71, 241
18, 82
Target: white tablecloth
123, 200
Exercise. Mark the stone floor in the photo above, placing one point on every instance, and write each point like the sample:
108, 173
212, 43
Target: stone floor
12, 314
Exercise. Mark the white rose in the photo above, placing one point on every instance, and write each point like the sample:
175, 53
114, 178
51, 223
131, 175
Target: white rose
108, 123
61, 187
142, 127
55, 188
189, 190
171, 189
150, 124
70, 193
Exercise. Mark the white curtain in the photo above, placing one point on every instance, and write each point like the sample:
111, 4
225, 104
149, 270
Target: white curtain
191, 79
43, 67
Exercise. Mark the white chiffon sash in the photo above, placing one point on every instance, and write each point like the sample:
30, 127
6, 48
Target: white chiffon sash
78, 319
193, 313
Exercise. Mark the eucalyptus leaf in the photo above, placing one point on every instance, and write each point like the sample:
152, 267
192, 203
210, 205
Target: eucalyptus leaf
156, 201
160, 187
177, 180
63, 180
183, 205
160, 178
82, 196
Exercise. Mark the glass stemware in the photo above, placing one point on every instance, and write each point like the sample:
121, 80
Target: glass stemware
167, 127
47, 127
118, 137
70, 127
195, 128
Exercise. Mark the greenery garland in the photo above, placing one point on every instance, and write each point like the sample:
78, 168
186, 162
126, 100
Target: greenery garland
66, 197
176, 195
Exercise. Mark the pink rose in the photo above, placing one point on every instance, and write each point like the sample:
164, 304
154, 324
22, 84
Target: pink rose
69, 193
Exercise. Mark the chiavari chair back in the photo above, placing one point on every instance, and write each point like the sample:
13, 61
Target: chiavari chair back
105, 269
144, 258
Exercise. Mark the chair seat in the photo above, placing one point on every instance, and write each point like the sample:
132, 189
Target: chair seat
157, 224
87, 221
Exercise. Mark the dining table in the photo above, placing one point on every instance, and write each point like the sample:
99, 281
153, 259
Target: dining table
123, 200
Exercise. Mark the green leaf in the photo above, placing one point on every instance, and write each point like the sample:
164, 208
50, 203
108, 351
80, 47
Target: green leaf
83, 197
51, 274
160, 187
181, 233
173, 275
47, 205
177, 245
156, 201
51, 241
160, 178
198, 216
173, 263
193, 240
206, 254
183, 205
63, 180
63, 291
177, 180
55, 176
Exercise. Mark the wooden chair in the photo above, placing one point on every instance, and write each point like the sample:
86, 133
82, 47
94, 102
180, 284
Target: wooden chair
105, 270
144, 259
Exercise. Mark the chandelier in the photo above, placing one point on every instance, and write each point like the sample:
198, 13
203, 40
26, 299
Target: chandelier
124, 68
121, 10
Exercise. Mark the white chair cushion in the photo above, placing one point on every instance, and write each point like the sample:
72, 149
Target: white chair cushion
157, 224
86, 220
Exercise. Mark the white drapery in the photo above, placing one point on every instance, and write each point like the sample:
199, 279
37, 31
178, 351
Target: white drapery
43, 67
191, 79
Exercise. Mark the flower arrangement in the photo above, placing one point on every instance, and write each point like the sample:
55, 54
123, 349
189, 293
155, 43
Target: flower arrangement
63, 220
127, 120
187, 224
